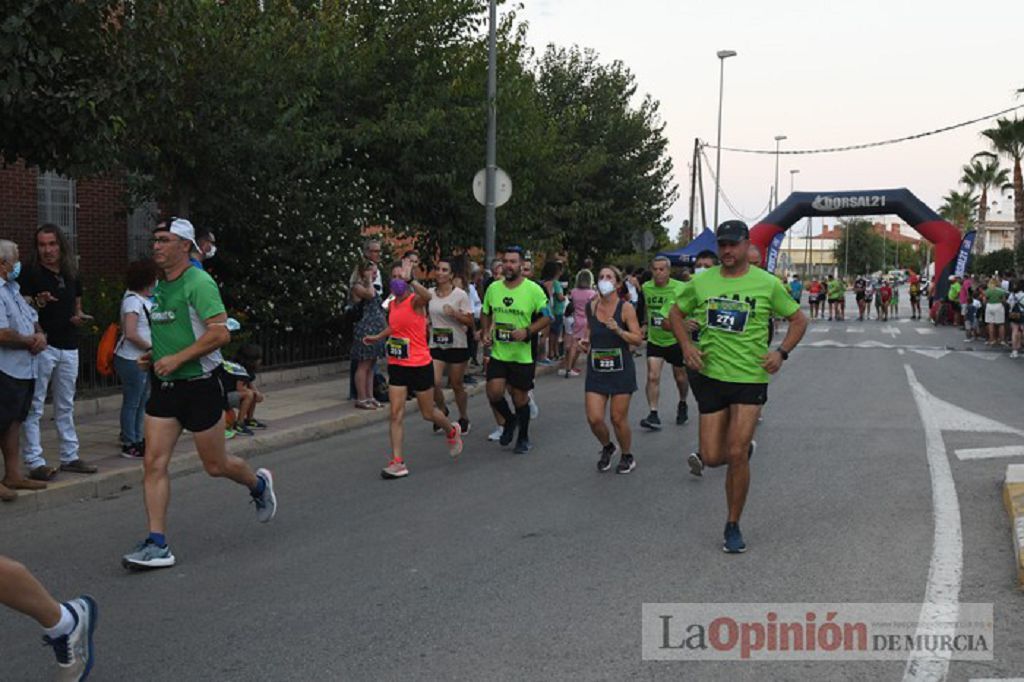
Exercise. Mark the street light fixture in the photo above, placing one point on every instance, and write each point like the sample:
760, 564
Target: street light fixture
778, 141
722, 56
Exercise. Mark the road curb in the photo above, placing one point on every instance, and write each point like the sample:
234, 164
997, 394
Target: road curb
1013, 497
111, 483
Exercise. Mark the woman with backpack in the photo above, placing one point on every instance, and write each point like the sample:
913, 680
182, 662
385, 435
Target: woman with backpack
134, 342
1015, 303
370, 320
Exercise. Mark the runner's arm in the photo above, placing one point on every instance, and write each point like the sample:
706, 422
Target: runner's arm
423, 294
374, 338
797, 327
691, 354
631, 334
485, 329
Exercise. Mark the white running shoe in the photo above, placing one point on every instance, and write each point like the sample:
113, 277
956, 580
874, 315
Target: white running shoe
534, 409
495, 435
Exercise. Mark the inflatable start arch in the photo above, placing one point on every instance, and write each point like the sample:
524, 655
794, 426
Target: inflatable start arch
942, 234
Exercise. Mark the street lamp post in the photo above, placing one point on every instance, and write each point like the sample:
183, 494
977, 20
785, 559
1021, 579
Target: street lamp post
722, 56
789, 237
778, 141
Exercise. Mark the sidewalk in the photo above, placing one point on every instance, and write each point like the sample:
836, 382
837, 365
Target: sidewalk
312, 408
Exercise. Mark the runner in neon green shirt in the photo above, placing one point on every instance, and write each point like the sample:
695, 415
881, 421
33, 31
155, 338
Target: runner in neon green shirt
660, 294
514, 311
730, 364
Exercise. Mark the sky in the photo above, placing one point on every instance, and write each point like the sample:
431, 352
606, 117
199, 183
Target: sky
824, 74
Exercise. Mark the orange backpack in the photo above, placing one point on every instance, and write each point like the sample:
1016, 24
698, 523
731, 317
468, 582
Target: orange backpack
105, 351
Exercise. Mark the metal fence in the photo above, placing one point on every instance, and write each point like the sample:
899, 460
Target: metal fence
281, 350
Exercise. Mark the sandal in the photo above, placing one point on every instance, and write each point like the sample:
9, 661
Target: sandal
365, 405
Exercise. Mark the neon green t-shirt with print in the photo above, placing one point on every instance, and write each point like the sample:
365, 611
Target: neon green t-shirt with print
836, 289
658, 301
177, 320
734, 314
512, 309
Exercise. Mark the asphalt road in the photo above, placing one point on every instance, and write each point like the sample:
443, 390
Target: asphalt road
535, 567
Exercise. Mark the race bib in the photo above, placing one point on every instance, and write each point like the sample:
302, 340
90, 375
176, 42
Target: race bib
503, 332
728, 315
657, 320
606, 360
398, 348
442, 337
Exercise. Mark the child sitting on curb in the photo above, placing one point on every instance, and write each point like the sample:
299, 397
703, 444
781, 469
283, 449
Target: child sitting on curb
240, 393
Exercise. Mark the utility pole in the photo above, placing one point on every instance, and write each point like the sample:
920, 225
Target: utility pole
693, 183
722, 56
490, 219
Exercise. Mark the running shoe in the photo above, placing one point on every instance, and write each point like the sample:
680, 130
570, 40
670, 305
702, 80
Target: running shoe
573, 373
1013, 354
495, 435
682, 414
74, 650
395, 469
733, 539
148, 554
534, 408
243, 430
229, 434
455, 440
546, 362
651, 421
255, 424
523, 446
750, 450
266, 503
133, 451
464, 424
508, 432
605, 463
626, 464
696, 464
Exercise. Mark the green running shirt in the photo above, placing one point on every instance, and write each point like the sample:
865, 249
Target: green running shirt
734, 314
659, 301
177, 320
513, 309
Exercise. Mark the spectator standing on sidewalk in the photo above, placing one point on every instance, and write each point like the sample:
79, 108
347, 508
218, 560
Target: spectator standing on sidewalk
581, 295
50, 282
372, 252
371, 321
135, 341
21, 342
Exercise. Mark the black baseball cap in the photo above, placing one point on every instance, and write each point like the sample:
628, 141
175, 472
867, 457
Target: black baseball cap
732, 231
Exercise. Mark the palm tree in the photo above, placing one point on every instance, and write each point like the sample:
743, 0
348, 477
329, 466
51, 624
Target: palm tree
1008, 138
984, 173
959, 208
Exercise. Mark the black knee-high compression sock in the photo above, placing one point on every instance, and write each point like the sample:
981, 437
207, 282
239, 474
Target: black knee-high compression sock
523, 416
502, 408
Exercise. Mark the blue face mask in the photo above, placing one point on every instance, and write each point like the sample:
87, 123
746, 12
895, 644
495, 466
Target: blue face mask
15, 272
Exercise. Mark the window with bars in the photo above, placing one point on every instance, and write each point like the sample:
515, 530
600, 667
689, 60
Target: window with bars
56, 204
141, 222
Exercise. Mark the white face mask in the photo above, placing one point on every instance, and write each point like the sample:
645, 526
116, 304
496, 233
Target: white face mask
697, 271
605, 287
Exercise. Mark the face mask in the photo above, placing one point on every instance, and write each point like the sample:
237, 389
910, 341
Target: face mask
605, 287
697, 271
399, 287
15, 271
211, 252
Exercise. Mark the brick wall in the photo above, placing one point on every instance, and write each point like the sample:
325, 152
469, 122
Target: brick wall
101, 218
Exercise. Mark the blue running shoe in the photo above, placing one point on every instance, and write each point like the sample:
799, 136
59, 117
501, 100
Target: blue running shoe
148, 554
74, 650
733, 539
266, 504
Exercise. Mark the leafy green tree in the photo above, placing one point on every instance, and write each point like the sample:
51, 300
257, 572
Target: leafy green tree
989, 263
960, 208
984, 173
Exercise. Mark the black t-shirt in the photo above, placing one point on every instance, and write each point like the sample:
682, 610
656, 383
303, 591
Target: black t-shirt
55, 317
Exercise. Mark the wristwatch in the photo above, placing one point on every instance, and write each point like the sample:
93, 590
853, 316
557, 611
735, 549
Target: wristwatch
783, 353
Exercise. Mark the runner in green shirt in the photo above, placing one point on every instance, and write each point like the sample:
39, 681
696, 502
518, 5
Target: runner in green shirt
836, 295
731, 363
514, 310
188, 326
660, 293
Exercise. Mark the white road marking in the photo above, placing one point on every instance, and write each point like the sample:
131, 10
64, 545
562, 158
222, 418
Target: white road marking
829, 343
935, 354
891, 331
855, 330
873, 344
997, 679
901, 351
942, 594
990, 453
924, 330
819, 330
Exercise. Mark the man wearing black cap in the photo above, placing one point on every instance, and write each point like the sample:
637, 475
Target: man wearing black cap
733, 304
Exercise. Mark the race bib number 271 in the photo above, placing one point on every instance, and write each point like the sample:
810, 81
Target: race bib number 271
727, 315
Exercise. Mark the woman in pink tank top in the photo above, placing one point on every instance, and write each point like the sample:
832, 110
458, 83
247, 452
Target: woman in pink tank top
410, 366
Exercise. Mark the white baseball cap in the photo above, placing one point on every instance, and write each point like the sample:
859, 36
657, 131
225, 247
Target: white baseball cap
184, 229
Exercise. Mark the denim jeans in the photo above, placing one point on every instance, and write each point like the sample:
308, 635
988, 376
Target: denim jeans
58, 369
134, 392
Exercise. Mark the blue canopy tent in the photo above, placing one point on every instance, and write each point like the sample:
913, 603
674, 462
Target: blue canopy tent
705, 241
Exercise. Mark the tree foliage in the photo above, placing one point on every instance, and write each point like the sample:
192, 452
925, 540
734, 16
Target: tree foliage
869, 252
288, 126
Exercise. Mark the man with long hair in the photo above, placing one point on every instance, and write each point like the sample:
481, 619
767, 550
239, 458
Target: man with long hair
50, 283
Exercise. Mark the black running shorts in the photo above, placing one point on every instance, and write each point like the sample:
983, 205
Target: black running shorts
453, 356
516, 374
671, 354
198, 405
714, 396
416, 379
17, 400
